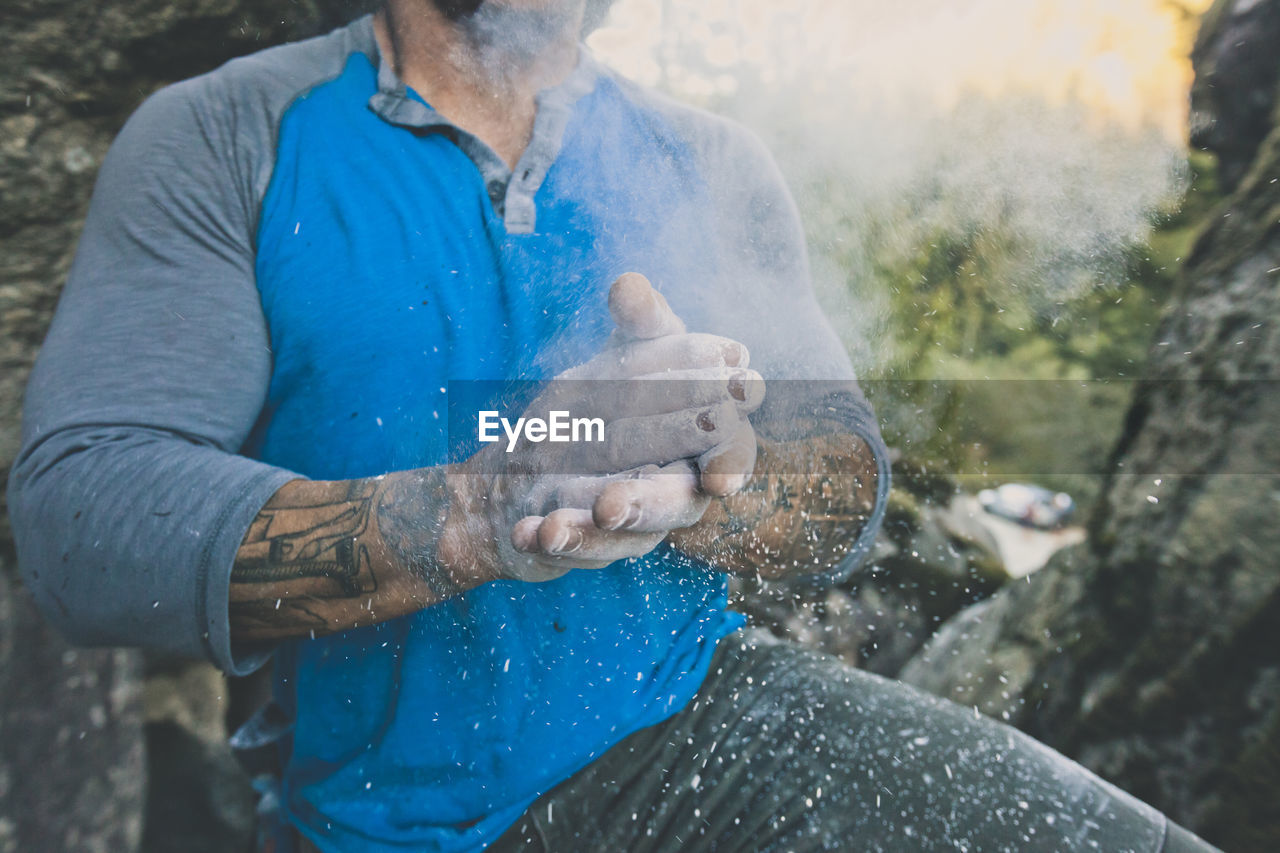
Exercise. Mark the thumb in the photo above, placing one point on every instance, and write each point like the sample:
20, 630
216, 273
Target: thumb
640, 311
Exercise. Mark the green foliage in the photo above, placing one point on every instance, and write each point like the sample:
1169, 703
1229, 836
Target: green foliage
958, 313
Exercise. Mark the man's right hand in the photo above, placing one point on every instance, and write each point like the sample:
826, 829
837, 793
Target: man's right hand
675, 407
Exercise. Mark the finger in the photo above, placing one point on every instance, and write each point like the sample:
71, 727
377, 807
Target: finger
582, 492
727, 467
538, 566
527, 564
571, 535
659, 439
656, 393
674, 352
674, 390
640, 311
657, 503
524, 536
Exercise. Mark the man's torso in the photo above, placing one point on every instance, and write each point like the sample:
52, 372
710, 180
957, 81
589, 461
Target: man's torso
390, 277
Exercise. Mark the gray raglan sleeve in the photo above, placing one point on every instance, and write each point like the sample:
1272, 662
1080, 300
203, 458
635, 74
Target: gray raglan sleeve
128, 498
771, 308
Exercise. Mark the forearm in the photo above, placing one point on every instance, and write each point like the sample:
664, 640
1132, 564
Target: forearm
327, 556
807, 503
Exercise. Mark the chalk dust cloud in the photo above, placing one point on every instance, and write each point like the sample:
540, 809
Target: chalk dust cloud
1051, 129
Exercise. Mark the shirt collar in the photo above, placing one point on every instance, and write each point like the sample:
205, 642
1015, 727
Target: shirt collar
393, 103
512, 191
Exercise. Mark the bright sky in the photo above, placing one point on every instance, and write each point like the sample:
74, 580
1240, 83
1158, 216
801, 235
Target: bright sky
1125, 59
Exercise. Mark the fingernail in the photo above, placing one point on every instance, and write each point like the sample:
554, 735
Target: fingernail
632, 517
723, 485
738, 386
732, 354
567, 542
649, 312
706, 421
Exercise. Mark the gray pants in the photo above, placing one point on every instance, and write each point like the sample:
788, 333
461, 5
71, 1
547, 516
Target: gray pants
788, 749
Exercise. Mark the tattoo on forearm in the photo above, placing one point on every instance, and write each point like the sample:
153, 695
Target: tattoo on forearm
411, 531
276, 617
803, 510
328, 556
315, 548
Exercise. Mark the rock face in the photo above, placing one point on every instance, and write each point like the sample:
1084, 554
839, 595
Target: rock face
71, 756
199, 799
1233, 100
72, 768
1152, 655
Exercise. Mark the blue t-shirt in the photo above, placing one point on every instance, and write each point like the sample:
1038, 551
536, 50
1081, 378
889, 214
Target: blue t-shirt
386, 274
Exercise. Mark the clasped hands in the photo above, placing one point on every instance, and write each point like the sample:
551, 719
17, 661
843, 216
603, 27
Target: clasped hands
675, 406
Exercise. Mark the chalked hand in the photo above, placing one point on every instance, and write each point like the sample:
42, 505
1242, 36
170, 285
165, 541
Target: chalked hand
675, 438
646, 322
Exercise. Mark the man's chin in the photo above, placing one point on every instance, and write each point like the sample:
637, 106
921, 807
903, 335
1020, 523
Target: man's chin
457, 9
504, 38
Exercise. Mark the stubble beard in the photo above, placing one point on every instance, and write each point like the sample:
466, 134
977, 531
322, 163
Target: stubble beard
501, 42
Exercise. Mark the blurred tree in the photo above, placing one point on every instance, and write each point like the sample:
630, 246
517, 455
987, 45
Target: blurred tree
1152, 654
